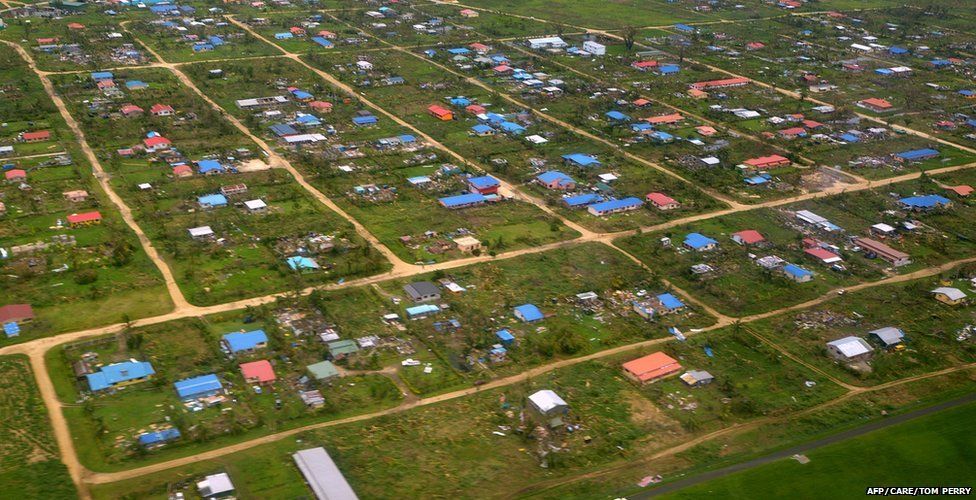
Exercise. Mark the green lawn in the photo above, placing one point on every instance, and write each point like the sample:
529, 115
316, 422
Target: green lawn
935, 450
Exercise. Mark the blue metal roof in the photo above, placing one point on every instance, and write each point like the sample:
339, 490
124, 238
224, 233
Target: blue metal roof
463, 199
422, 309
925, 201
683, 27
301, 94
283, 36
611, 205
898, 50
485, 181
136, 84
505, 336
668, 69
297, 263
101, 75
796, 271
698, 240
555, 175
641, 127
460, 101
323, 42
364, 120
512, 127
198, 386
459, 51
215, 40
582, 200
11, 329
308, 120
482, 129
117, 373
670, 302
407, 138
529, 313
207, 166
849, 138
244, 341
617, 116
283, 129
917, 154
155, 437
213, 200
581, 159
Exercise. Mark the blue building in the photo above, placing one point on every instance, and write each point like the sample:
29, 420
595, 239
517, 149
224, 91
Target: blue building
700, 242
324, 42
209, 167
797, 273
581, 160
212, 201
617, 116
119, 375
669, 302
614, 206
463, 200
554, 179
300, 263
582, 200
917, 155
482, 130
422, 310
505, 336
529, 313
925, 202
158, 438
364, 120
198, 387
245, 341
101, 75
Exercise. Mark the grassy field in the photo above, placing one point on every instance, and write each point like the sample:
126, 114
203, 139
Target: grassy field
929, 451
29, 462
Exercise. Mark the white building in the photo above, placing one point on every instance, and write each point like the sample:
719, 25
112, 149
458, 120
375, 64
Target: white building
215, 485
597, 49
322, 475
551, 42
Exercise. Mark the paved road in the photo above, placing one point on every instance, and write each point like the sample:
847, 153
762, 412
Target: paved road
803, 448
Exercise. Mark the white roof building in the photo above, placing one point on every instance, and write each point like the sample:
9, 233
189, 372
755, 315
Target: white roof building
850, 347
200, 232
215, 485
548, 42
322, 475
255, 204
547, 401
950, 293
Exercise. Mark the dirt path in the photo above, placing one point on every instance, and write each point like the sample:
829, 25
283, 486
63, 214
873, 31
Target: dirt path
176, 295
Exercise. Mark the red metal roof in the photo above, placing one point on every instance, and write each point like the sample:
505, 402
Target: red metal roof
750, 236
660, 199
84, 217
40, 134
652, 366
258, 371
16, 313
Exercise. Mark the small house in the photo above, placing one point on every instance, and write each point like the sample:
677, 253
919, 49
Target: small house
548, 405
467, 244
216, 486
949, 295
323, 371
258, 372
697, 378
339, 349
84, 219
484, 185
662, 201
888, 336
850, 349
76, 196
120, 375
528, 313
748, 237
699, 242
245, 342
650, 368
202, 386
796, 273
422, 291
556, 180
